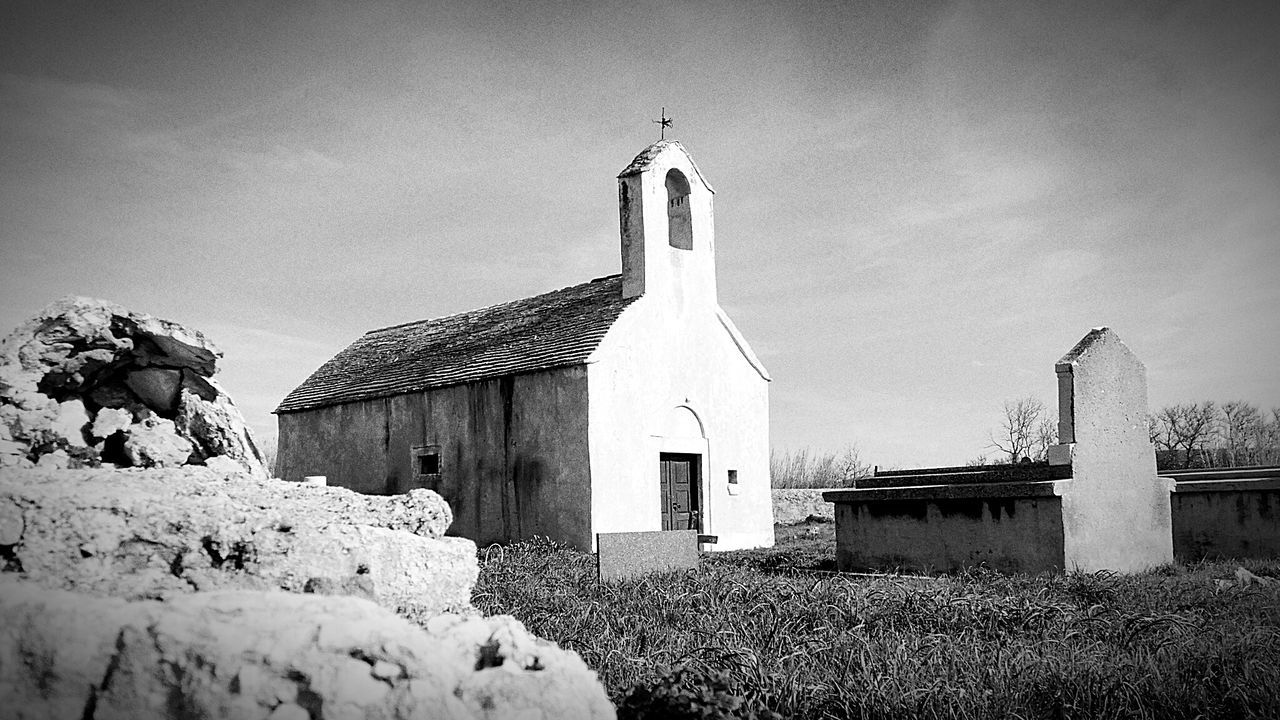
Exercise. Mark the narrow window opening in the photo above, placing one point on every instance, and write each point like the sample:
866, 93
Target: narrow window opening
679, 218
733, 477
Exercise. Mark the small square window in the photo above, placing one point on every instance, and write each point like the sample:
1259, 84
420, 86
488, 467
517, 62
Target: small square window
733, 477
426, 459
429, 464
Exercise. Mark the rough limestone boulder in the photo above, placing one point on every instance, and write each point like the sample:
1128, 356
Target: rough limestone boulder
259, 655
155, 442
158, 533
80, 359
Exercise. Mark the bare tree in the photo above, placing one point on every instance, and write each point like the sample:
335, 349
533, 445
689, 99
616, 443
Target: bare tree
1155, 430
1186, 430
850, 467
1046, 435
1021, 434
804, 468
1269, 439
1240, 430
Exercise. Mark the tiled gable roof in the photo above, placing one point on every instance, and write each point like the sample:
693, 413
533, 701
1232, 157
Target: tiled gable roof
556, 329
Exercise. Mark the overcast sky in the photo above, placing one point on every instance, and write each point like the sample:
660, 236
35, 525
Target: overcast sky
920, 206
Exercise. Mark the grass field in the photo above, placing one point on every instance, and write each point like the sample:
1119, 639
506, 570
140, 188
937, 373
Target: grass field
772, 633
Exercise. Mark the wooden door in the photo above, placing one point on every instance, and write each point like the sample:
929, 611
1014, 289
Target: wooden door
679, 483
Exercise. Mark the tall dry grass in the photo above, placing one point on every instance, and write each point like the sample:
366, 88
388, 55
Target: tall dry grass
1167, 644
805, 468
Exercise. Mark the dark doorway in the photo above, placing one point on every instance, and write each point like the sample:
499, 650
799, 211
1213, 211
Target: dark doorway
679, 482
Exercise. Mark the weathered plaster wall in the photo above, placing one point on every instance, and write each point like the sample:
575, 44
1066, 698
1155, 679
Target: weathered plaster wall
1234, 522
1010, 534
658, 357
513, 452
1115, 509
346, 443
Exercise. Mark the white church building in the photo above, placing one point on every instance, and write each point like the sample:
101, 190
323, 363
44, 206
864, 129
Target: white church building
628, 403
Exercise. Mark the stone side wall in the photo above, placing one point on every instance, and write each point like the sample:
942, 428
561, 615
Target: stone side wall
513, 452
1011, 534
1239, 522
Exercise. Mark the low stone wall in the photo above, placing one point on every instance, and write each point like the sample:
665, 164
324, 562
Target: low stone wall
794, 506
1013, 534
1219, 518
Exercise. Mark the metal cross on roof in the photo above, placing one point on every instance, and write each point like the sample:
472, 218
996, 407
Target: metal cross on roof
664, 123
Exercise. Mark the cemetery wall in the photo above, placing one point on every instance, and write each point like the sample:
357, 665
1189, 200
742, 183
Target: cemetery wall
792, 506
948, 534
1101, 507
1227, 520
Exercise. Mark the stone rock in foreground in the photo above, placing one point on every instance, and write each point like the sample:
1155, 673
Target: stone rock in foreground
258, 655
81, 358
158, 533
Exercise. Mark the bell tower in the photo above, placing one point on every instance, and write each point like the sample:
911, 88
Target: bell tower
667, 227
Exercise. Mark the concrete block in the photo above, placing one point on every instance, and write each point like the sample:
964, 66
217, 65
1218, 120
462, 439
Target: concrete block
1059, 454
633, 554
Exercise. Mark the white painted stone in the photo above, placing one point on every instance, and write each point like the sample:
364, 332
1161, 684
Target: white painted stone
1115, 509
1059, 455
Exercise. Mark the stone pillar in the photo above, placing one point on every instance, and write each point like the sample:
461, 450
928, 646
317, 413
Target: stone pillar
1115, 509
